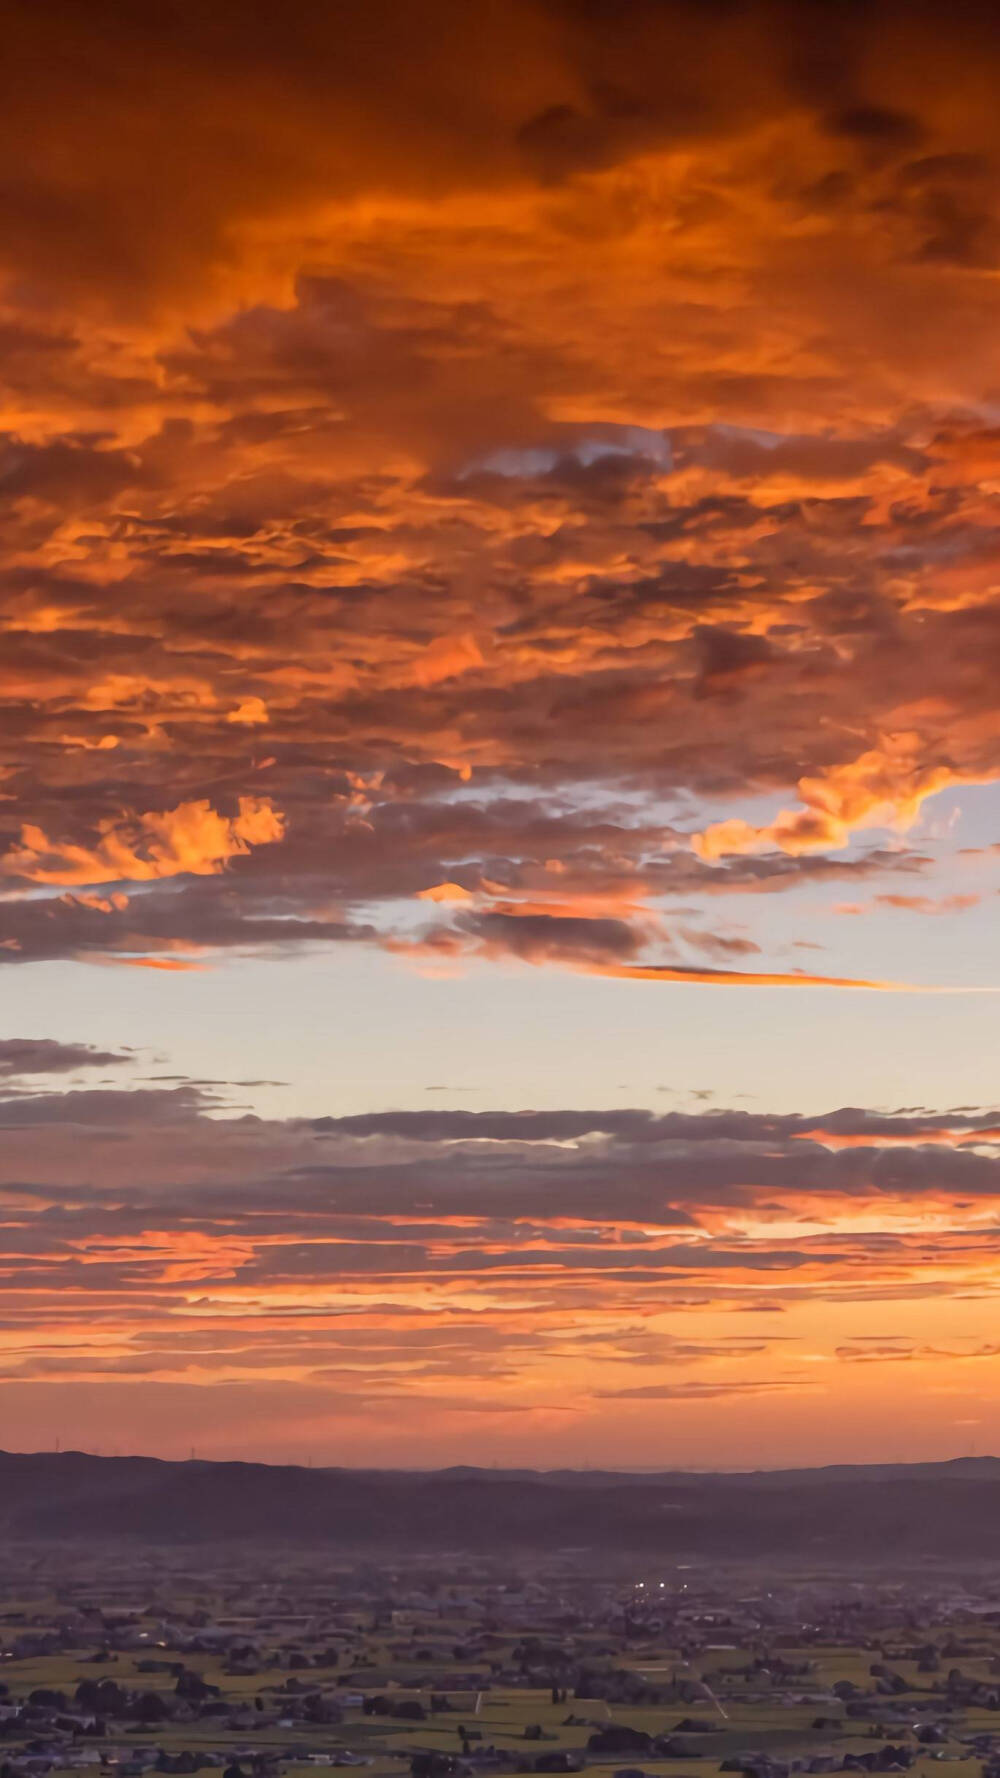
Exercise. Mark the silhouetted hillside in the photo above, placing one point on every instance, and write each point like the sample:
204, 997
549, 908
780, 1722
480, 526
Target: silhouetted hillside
884, 1513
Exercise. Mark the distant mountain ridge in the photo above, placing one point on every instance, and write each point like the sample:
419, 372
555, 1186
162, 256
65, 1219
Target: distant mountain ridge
883, 1512
956, 1466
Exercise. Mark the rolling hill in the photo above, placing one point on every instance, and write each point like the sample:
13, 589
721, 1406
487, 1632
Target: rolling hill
887, 1513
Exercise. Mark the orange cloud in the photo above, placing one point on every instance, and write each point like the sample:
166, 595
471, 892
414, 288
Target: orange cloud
748, 978
174, 965
102, 904
446, 658
912, 904
445, 892
250, 713
191, 839
884, 787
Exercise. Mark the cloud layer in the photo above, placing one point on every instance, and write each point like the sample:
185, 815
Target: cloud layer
556, 460
539, 1266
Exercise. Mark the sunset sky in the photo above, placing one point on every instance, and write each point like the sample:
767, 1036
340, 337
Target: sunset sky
500, 730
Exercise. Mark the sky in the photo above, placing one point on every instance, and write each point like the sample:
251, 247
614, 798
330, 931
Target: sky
499, 731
